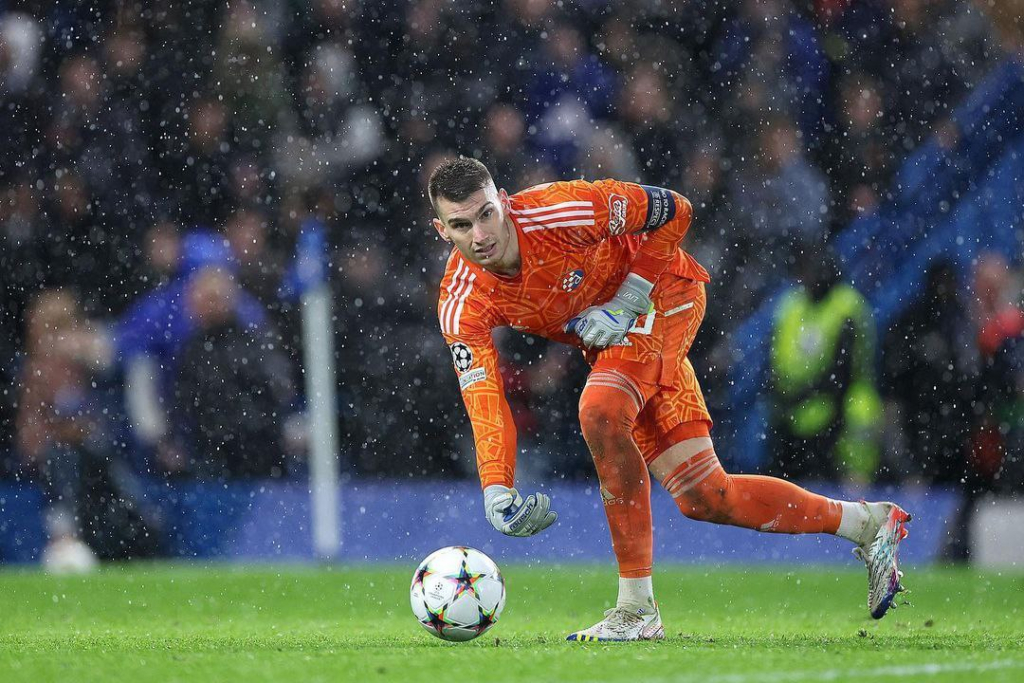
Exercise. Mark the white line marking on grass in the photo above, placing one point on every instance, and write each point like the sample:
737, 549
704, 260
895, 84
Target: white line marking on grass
838, 674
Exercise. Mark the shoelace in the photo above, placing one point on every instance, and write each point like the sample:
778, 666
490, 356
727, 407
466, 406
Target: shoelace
618, 618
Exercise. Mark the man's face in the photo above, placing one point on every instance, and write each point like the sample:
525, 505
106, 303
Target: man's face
211, 297
476, 226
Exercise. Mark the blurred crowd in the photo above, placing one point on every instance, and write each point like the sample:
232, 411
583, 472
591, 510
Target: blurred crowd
160, 160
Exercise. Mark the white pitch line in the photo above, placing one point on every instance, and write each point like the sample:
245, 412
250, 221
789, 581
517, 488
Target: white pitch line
840, 674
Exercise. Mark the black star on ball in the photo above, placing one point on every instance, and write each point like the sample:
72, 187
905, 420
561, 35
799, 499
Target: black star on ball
435, 620
466, 581
486, 620
421, 574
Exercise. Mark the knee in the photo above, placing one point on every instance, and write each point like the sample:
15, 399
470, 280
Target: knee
708, 500
604, 422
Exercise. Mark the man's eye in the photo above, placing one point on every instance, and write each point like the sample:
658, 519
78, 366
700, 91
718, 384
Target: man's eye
488, 212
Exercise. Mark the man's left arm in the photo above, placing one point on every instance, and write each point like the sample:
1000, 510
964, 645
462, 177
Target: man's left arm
664, 217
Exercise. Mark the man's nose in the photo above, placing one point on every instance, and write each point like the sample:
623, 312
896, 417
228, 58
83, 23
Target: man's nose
478, 234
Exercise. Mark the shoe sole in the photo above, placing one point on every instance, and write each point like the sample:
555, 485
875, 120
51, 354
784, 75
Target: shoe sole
898, 519
657, 634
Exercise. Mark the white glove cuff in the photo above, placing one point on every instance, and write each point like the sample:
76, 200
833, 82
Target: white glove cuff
640, 284
493, 491
635, 294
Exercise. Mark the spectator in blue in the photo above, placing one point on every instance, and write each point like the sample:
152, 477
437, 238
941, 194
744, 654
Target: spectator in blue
783, 196
772, 45
242, 437
565, 95
151, 336
781, 201
659, 135
65, 445
929, 372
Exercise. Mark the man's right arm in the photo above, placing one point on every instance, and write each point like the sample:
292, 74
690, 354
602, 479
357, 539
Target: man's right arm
494, 434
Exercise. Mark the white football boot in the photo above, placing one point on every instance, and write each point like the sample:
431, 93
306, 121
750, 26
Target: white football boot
69, 555
880, 554
622, 624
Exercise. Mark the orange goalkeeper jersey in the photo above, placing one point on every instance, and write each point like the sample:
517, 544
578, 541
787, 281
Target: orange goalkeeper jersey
578, 240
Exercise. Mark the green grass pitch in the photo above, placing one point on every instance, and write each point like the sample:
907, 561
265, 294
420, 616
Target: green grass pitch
724, 625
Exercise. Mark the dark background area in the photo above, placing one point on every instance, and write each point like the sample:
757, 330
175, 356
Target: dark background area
151, 148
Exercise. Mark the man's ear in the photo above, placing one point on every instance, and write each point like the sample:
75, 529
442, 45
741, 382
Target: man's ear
506, 204
439, 226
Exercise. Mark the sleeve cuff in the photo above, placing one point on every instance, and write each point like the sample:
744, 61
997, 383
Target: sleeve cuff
500, 475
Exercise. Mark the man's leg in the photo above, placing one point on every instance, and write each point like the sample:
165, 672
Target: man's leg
689, 470
609, 407
65, 551
621, 387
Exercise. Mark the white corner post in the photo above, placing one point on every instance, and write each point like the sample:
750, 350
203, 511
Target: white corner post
318, 357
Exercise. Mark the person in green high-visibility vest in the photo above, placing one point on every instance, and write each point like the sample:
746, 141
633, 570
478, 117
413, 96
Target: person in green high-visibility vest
826, 409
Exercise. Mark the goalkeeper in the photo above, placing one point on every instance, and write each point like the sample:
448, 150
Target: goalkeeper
598, 266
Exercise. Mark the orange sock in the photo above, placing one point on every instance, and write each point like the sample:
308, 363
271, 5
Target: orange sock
703, 491
609, 406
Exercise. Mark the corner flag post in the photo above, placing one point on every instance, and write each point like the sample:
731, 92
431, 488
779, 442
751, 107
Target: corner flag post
318, 358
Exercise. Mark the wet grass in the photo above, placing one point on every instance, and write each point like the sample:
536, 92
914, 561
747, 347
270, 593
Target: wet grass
223, 623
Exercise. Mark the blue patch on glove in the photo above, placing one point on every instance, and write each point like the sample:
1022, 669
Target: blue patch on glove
511, 512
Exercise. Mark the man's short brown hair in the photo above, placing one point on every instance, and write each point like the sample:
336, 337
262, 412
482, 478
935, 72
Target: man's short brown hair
457, 179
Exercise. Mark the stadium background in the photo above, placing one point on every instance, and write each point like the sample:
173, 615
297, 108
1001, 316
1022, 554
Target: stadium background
147, 151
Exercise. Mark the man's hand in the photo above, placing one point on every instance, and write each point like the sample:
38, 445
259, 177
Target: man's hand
606, 325
510, 514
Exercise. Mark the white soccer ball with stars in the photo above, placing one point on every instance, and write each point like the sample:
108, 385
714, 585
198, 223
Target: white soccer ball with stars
457, 593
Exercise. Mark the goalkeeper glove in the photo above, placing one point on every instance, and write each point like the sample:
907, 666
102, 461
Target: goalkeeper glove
510, 514
606, 325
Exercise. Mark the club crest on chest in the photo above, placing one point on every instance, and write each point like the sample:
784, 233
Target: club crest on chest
572, 280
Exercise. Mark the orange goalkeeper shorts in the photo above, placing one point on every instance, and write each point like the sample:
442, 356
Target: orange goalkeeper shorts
656, 361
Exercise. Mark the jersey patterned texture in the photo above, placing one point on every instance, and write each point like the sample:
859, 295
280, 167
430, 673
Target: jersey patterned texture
578, 241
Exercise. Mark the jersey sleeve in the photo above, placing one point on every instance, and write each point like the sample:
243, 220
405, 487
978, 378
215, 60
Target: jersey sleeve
476, 365
621, 208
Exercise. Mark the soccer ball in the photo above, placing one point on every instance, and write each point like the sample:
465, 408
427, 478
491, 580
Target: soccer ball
457, 593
